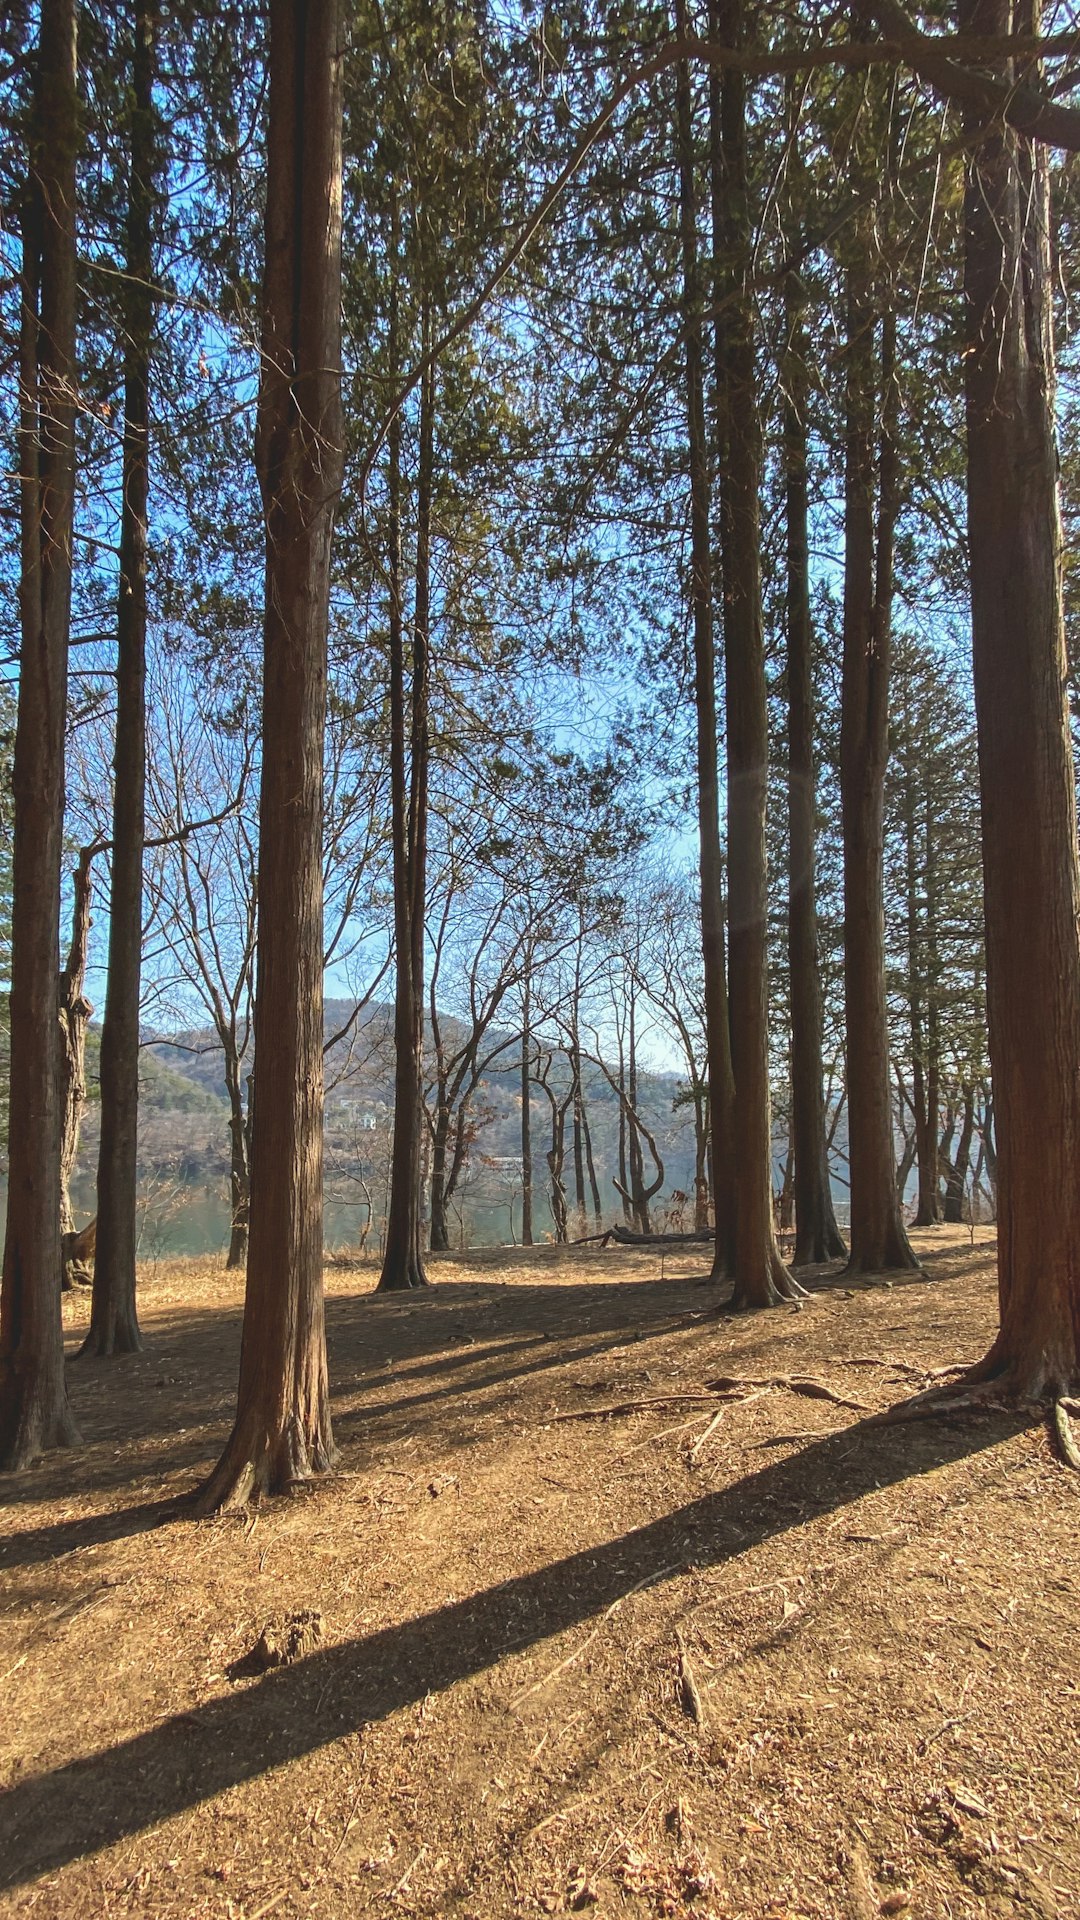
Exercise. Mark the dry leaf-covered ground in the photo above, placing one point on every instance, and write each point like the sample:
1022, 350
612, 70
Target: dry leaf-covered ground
650, 1662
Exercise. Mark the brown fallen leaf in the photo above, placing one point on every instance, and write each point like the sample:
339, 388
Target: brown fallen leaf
969, 1802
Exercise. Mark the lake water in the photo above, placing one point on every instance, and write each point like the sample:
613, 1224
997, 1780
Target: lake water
194, 1220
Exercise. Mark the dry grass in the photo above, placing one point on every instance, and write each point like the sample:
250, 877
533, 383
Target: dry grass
772, 1664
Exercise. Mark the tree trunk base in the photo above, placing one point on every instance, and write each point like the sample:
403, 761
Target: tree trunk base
29, 1429
1033, 1379
774, 1286
817, 1248
403, 1276
896, 1256
998, 1393
237, 1254
258, 1462
113, 1330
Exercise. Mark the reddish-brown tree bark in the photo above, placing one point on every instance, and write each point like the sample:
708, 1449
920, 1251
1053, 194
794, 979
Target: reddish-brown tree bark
711, 864
75, 1011
918, 825
282, 1432
1032, 884
878, 1239
34, 1410
114, 1325
526, 1108
403, 1259
817, 1236
761, 1278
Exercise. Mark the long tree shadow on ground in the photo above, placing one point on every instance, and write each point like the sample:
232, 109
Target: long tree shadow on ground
476, 1340
55, 1818
167, 1410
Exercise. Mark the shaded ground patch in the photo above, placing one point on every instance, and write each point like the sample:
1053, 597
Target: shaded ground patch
877, 1623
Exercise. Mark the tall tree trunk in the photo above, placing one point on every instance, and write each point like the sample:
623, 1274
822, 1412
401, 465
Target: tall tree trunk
817, 1236
878, 1239
932, 977
34, 1410
403, 1261
590, 1165
239, 1161
579, 1157
989, 1140
925, 1121
710, 855
622, 1183
785, 1199
761, 1278
526, 1117
114, 1325
282, 1432
639, 1203
75, 1011
440, 1191
956, 1183
702, 1196
555, 1156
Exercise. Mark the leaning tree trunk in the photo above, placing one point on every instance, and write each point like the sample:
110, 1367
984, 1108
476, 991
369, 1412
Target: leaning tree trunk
878, 1239
282, 1432
75, 1011
34, 1410
590, 1167
1031, 879
761, 1278
114, 1326
439, 1240
710, 856
817, 1236
989, 1143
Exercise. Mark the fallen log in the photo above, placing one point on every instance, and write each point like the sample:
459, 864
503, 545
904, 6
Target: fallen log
625, 1237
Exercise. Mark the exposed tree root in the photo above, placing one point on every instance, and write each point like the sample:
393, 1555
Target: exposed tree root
689, 1692
733, 1387
788, 1383
940, 1403
256, 1463
639, 1406
1063, 1433
986, 1396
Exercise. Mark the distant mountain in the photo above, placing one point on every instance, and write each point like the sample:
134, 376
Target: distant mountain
186, 1074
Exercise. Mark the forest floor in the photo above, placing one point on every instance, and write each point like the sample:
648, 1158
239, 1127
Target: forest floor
642, 1663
